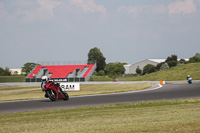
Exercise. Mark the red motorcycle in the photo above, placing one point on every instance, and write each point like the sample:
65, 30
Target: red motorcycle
53, 91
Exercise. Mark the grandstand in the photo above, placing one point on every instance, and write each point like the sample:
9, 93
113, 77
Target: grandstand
60, 73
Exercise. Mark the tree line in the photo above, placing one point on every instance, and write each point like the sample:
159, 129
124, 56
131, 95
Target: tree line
114, 69
4, 72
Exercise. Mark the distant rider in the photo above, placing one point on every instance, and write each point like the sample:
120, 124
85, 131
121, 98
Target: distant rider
189, 79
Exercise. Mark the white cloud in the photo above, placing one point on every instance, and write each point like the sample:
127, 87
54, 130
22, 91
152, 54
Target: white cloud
44, 12
48, 4
88, 6
134, 11
22, 3
159, 9
182, 7
177, 7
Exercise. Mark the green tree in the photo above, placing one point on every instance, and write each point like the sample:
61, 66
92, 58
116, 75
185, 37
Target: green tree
7, 72
138, 71
158, 66
172, 63
1, 71
4, 72
96, 55
28, 67
182, 61
195, 58
172, 60
197, 55
101, 73
115, 69
149, 68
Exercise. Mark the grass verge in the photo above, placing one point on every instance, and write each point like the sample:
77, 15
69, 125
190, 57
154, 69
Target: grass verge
4, 79
10, 93
160, 116
100, 78
171, 74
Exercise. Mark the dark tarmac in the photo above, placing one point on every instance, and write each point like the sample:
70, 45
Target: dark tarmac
167, 92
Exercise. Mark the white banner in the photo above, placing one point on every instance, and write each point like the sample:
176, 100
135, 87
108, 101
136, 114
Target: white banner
66, 86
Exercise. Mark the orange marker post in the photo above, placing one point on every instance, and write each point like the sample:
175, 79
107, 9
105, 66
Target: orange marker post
162, 82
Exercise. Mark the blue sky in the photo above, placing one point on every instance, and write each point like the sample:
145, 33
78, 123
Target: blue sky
125, 30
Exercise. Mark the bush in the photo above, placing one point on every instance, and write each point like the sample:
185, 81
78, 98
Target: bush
101, 73
164, 66
194, 59
172, 63
5, 72
182, 61
149, 69
159, 65
171, 58
114, 69
138, 71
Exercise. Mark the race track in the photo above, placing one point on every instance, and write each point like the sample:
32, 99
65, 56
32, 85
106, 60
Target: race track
167, 92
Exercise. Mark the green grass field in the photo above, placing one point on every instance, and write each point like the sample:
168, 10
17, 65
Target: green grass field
34, 92
100, 78
179, 116
176, 116
5, 79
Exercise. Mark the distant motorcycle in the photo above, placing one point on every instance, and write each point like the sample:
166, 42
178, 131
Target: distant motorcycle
53, 91
189, 80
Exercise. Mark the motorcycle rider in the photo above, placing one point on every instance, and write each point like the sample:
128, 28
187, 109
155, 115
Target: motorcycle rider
189, 79
44, 81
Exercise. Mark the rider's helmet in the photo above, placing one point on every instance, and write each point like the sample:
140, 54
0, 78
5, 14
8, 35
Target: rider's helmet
188, 75
45, 78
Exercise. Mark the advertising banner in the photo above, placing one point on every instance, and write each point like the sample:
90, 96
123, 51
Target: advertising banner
66, 86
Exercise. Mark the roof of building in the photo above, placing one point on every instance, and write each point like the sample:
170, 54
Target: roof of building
157, 60
154, 60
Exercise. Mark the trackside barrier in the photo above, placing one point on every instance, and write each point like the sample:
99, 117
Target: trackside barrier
66, 86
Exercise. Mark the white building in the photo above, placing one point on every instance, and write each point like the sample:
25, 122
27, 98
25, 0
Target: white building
131, 68
16, 71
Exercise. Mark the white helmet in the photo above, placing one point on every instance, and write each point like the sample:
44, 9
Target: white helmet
44, 78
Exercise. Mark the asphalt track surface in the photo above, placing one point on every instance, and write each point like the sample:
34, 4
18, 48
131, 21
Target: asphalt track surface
166, 92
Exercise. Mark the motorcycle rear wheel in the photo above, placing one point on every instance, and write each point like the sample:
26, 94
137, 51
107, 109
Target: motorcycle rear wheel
51, 94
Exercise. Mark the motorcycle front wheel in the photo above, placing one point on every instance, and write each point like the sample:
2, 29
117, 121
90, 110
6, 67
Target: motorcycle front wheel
51, 94
66, 96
